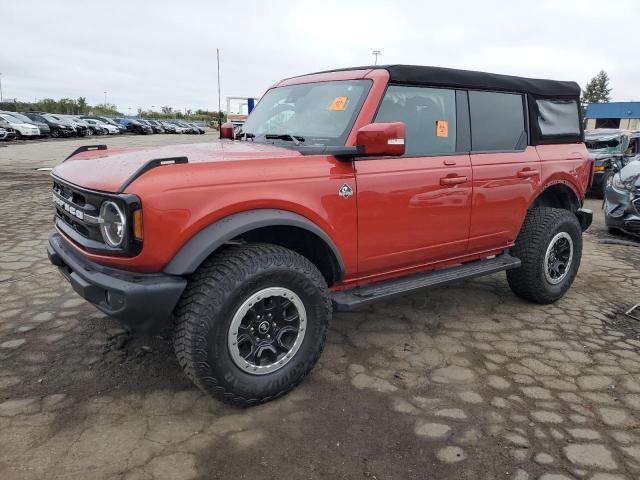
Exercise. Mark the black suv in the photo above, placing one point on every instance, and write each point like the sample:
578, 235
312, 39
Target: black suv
58, 127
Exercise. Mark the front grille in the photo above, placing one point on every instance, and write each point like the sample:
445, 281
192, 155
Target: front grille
77, 216
632, 226
78, 210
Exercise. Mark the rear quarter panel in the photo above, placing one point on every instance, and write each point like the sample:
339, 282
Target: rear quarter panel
568, 164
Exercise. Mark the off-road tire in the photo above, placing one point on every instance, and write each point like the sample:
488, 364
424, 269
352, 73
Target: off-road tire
540, 226
603, 191
212, 296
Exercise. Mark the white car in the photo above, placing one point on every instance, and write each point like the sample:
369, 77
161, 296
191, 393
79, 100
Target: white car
22, 129
106, 127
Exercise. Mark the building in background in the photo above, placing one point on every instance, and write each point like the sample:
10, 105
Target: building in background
239, 108
624, 115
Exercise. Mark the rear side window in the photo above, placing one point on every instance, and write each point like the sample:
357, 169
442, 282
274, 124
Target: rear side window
497, 121
557, 117
429, 116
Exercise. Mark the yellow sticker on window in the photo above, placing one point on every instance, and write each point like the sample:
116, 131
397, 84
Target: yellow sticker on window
442, 128
339, 103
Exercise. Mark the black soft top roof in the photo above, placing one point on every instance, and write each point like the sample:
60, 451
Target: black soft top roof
451, 77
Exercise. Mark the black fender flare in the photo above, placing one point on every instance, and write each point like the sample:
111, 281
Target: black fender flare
210, 238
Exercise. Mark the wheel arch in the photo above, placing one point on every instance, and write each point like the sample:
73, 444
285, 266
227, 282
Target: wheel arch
280, 227
558, 194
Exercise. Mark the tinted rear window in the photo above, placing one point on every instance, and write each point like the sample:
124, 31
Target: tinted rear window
558, 117
497, 121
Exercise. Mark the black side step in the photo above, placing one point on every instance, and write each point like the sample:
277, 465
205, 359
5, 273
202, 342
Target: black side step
355, 298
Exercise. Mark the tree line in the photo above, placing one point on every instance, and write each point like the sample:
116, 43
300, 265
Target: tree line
79, 106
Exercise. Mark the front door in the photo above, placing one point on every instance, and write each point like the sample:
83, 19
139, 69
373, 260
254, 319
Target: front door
415, 209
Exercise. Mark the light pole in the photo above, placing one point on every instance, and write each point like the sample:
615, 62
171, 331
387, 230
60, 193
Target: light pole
0, 87
376, 53
219, 106
105, 99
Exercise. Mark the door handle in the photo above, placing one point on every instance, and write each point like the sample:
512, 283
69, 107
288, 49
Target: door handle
449, 161
447, 181
527, 173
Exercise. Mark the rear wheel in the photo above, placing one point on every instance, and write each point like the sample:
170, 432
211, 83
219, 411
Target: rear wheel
252, 323
549, 246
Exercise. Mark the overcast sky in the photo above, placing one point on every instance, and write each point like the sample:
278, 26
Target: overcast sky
155, 53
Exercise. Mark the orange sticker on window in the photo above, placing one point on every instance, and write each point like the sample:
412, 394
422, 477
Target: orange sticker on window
442, 128
339, 103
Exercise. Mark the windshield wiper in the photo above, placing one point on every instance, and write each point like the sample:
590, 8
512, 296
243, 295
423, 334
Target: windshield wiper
284, 136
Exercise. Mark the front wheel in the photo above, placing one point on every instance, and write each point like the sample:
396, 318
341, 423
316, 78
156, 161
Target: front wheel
549, 246
252, 323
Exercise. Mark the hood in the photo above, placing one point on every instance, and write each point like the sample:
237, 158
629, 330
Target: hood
108, 170
631, 173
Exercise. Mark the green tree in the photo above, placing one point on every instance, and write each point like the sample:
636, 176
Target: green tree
82, 105
597, 90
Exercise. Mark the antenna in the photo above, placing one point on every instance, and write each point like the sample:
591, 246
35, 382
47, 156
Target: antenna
376, 53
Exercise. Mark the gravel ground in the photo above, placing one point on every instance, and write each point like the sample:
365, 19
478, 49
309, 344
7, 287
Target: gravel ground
461, 382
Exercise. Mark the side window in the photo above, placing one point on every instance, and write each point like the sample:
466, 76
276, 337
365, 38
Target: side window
497, 121
429, 116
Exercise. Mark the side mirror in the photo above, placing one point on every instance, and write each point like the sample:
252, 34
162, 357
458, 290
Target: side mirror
226, 131
381, 139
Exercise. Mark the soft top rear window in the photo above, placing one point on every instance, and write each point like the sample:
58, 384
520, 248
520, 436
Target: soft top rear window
558, 118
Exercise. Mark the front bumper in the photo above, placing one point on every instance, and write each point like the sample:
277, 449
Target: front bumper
585, 217
141, 301
620, 211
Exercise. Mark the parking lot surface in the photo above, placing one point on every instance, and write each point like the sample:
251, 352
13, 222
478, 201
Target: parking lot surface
461, 382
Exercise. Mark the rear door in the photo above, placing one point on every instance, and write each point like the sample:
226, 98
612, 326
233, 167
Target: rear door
415, 209
506, 170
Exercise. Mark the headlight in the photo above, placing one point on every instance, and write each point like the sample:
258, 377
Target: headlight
618, 184
113, 224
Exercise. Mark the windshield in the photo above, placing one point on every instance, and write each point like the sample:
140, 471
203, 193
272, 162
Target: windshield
320, 112
21, 117
604, 146
10, 118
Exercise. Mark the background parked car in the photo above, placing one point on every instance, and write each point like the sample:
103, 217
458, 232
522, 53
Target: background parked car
611, 149
622, 200
154, 128
107, 120
157, 128
22, 129
169, 127
185, 128
96, 127
81, 128
101, 128
7, 133
199, 129
58, 127
135, 127
45, 131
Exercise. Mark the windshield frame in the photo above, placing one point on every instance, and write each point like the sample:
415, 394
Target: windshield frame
311, 140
